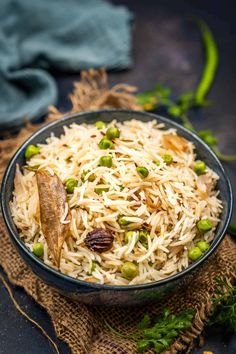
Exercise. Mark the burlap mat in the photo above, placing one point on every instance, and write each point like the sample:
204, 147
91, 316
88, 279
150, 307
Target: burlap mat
82, 327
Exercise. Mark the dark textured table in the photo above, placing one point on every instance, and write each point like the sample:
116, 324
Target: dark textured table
166, 49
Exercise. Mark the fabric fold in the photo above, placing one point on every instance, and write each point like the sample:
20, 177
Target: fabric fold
63, 35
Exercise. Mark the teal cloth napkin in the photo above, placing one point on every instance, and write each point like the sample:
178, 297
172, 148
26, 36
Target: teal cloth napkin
63, 34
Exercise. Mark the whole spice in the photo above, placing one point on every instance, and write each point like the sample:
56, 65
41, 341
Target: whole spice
52, 202
99, 240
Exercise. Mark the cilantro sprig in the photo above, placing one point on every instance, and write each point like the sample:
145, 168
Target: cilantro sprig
224, 304
158, 333
161, 97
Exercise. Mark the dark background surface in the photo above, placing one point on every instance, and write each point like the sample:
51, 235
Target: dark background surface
166, 49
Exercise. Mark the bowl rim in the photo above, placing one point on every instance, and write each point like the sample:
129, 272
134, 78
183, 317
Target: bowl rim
9, 221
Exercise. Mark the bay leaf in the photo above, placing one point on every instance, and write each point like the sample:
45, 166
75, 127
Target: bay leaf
52, 201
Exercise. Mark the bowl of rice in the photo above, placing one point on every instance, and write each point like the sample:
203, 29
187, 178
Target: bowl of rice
115, 207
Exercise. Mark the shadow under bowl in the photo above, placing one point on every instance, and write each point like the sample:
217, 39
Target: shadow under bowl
98, 294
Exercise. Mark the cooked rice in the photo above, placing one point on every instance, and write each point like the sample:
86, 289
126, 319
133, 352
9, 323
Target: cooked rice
169, 202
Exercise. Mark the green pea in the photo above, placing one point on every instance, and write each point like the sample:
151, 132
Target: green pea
105, 144
194, 253
200, 168
122, 222
91, 177
129, 234
143, 237
38, 249
31, 150
204, 225
93, 266
142, 171
129, 270
70, 184
100, 190
203, 245
100, 124
112, 133
157, 163
83, 176
105, 161
168, 159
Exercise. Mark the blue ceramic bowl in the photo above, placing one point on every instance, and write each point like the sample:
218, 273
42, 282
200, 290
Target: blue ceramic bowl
108, 294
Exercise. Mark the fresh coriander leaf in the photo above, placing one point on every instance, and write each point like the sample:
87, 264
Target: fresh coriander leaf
174, 110
224, 304
145, 322
143, 344
186, 97
208, 137
232, 229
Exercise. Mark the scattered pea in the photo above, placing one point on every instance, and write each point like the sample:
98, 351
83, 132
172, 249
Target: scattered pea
122, 222
168, 159
112, 133
38, 249
100, 124
203, 245
100, 190
129, 270
83, 175
90, 178
93, 266
129, 234
200, 168
142, 171
31, 150
105, 161
143, 236
194, 253
157, 163
204, 225
105, 144
70, 184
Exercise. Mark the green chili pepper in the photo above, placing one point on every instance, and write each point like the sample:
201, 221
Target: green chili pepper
211, 62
